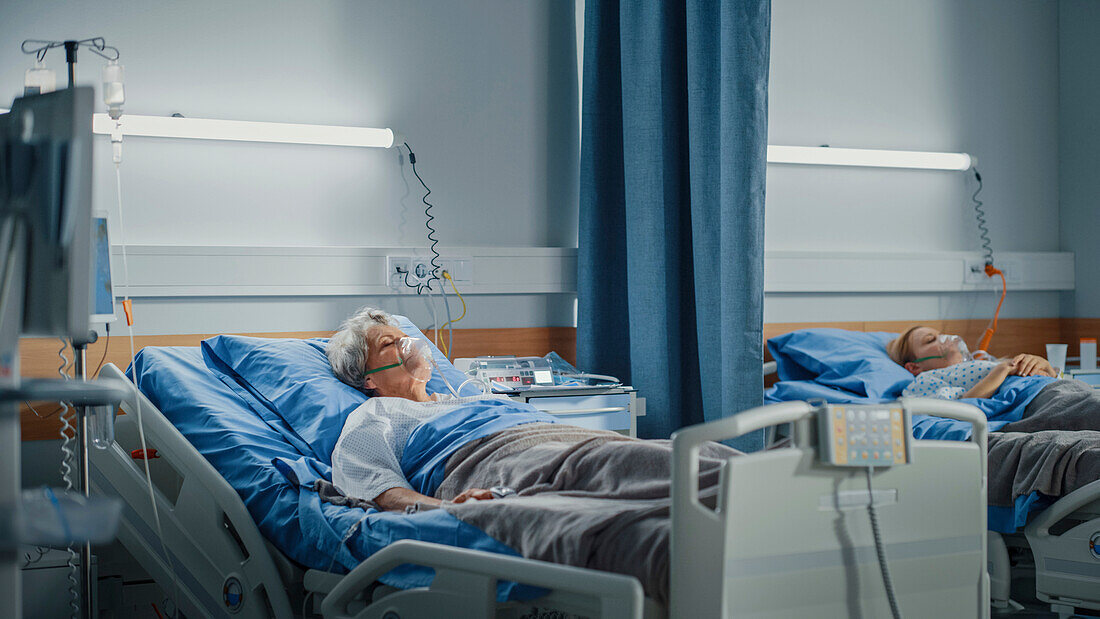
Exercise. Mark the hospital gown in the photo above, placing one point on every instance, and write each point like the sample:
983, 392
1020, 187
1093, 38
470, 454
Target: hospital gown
951, 382
367, 458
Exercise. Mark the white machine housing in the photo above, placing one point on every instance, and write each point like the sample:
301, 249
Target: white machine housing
791, 535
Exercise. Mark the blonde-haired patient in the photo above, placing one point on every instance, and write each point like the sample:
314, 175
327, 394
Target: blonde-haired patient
943, 368
1043, 431
953, 375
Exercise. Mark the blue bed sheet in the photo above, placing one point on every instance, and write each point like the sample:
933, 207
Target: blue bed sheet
243, 447
290, 383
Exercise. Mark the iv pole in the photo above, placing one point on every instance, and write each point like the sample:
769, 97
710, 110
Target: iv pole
81, 394
80, 372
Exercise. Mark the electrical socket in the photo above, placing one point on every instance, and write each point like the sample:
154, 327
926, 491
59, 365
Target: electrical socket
974, 272
419, 269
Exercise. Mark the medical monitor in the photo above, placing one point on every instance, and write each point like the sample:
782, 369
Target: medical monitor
45, 200
103, 290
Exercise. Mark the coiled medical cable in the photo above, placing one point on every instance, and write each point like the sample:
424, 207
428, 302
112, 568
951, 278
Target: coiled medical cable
979, 214
68, 435
428, 206
879, 548
990, 270
127, 306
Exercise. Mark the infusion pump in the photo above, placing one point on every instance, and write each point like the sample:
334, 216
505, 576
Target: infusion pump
515, 372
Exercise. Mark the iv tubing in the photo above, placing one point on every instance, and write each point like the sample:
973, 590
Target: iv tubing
990, 271
127, 306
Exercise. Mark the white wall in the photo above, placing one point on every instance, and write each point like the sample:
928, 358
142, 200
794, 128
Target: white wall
487, 94
485, 91
1079, 149
975, 76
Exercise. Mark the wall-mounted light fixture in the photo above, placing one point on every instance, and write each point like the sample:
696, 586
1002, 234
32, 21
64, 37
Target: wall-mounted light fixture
826, 155
243, 131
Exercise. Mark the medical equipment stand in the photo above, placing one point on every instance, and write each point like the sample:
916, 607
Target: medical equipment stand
80, 369
12, 391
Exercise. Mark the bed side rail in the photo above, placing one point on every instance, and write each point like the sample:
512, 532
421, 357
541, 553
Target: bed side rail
220, 562
770, 367
1065, 559
695, 527
686, 441
1040, 526
465, 583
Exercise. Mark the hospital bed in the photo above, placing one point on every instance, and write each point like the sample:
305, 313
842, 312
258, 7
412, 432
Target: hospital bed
1059, 546
770, 549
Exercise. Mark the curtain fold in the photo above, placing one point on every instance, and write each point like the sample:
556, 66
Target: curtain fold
670, 259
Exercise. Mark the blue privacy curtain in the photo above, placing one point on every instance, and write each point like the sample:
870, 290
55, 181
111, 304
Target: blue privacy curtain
671, 238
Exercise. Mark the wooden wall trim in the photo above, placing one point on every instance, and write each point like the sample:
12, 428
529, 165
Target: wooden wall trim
38, 358
1014, 335
39, 355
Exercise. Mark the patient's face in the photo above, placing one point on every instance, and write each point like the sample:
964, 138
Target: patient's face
925, 342
395, 382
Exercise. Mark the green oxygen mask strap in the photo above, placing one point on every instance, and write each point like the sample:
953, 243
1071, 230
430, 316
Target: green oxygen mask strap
384, 367
922, 358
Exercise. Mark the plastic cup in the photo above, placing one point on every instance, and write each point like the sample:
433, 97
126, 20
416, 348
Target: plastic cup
1088, 353
1056, 355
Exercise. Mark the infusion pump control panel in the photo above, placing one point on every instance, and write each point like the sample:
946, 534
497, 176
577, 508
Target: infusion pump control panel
511, 372
864, 435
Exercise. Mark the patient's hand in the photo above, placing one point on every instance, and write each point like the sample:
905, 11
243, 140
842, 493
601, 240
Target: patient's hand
478, 494
1032, 365
397, 499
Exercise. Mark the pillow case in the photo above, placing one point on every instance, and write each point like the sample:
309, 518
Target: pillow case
292, 379
854, 361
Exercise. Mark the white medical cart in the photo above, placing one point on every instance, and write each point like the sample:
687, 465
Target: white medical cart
597, 408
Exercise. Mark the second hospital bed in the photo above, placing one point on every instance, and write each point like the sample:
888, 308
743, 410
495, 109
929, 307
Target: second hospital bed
1054, 542
240, 539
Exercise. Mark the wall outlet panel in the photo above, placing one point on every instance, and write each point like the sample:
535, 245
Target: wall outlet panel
974, 272
415, 270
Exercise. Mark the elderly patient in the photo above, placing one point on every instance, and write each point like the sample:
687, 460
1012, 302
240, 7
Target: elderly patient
589, 498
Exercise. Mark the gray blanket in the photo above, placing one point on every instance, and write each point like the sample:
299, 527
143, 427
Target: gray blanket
587, 498
600, 500
1054, 449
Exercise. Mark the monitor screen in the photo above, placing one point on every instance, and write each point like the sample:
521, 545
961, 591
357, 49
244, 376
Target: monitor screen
45, 195
103, 291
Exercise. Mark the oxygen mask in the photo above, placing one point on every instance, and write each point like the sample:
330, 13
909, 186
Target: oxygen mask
949, 344
415, 356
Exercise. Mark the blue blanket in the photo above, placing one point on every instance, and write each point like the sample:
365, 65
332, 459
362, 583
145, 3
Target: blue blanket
424, 460
1006, 406
274, 477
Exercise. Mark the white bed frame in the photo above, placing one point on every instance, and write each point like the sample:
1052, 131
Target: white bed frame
741, 560
785, 560
1064, 543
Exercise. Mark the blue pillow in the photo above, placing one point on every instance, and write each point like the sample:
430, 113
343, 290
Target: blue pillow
292, 379
854, 361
